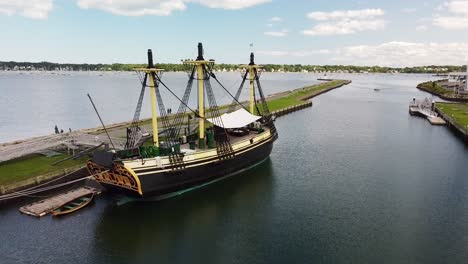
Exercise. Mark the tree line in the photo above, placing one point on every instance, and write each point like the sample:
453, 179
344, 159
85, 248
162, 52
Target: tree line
50, 66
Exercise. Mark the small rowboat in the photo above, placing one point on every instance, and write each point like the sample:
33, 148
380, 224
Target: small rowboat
74, 205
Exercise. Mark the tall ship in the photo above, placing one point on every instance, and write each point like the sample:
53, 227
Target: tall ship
194, 146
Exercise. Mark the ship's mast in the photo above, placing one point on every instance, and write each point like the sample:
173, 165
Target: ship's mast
153, 85
200, 64
251, 68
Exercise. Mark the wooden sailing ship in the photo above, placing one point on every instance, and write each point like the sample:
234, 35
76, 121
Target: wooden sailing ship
178, 158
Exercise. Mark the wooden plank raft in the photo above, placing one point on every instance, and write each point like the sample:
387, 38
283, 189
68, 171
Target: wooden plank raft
46, 206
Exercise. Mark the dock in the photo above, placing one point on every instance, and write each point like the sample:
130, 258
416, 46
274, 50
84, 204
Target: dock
435, 120
426, 109
46, 206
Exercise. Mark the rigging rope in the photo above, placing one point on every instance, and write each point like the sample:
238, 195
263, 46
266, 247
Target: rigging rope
34, 191
56, 179
223, 146
238, 93
132, 132
179, 117
211, 73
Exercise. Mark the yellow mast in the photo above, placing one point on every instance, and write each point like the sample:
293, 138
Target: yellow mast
200, 63
152, 72
251, 68
154, 104
252, 103
201, 106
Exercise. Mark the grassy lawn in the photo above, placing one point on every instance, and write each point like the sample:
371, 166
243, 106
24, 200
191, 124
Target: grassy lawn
33, 165
437, 89
457, 111
297, 97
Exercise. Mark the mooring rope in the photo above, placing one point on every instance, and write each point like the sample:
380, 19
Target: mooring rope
31, 191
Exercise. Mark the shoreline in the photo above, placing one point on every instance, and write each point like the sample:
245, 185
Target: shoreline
452, 124
452, 98
298, 99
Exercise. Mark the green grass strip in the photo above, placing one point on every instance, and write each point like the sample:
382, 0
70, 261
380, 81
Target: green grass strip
457, 111
33, 165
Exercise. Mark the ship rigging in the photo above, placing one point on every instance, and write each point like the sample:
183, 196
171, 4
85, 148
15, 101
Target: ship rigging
225, 141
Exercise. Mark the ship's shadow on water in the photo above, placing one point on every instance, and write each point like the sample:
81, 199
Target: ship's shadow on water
160, 230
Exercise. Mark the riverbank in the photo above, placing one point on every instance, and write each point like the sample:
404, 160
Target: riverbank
298, 96
23, 172
436, 89
456, 115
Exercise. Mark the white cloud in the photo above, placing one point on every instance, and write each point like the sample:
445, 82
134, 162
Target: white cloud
451, 22
421, 28
281, 33
275, 19
409, 10
229, 4
393, 54
346, 14
345, 27
134, 8
342, 22
161, 7
458, 7
397, 53
301, 53
36, 9
455, 17
269, 25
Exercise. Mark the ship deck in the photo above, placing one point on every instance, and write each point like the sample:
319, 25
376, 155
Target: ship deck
233, 139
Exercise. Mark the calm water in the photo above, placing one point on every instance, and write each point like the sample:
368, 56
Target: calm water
32, 103
354, 179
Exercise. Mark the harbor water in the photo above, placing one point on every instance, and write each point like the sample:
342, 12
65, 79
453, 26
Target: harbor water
354, 179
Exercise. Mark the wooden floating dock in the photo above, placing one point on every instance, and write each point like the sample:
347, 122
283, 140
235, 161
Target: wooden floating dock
46, 206
431, 116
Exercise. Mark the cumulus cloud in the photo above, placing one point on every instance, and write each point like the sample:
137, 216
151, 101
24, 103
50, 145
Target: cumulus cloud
276, 19
455, 15
393, 54
301, 53
397, 53
161, 7
229, 4
275, 33
409, 10
134, 8
346, 14
281, 33
35, 9
421, 28
342, 22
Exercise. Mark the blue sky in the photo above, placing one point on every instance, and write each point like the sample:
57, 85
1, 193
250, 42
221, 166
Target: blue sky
363, 32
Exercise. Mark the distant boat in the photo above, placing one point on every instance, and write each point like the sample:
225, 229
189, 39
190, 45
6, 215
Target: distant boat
324, 78
376, 89
74, 205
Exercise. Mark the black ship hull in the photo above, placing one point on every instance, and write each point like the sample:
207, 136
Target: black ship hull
164, 184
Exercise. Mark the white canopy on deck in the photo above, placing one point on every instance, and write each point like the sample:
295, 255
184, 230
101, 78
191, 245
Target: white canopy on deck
236, 119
